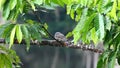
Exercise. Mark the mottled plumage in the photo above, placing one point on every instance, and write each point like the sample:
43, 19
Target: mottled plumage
60, 37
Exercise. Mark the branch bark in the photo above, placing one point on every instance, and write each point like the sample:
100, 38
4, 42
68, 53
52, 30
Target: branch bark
56, 44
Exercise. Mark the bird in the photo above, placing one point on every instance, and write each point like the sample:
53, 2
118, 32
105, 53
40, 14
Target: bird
60, 37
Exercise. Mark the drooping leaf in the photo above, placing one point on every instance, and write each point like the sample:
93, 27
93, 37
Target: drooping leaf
112, 13
111, 60
72, 13
68, 9
34, 30
101, 27
94, 37
26, 35
46, 26
12, 36
108, 24
7, 31
103, 60
80, 25
2, 28
79, 13
19, 33
6, 11
2, 2
12, 4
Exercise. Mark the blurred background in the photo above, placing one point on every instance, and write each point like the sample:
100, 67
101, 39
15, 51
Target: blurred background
55, 57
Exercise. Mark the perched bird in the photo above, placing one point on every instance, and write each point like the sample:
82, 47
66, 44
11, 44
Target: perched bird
60, 37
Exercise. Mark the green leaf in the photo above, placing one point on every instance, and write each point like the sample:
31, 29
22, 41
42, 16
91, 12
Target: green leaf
68, 9
12, 35
3, 27
32, 4
77, 30
72, 13
118, 60
12, 4
108, 24
88, 22
103, 60
119, 4
101, 27
86, 27
111, 60
2, 2
6, 11
69, 35
8, 57
79, 13
45, 25
113, 11
35, 31
5, 61
18, 33
21, 5
94, 37
7, 31
26, 35
39, 2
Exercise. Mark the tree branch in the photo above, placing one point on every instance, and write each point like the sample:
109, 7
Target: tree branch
56, 44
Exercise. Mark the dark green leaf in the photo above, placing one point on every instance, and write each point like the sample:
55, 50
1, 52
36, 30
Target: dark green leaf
111, 60
26, 35
6, 11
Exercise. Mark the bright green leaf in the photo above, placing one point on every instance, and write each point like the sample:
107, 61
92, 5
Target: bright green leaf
39, 2
68, 9
46, 26
12, 4
12, 35
69, 35
19, 33
119, 4
2, 3
112, 13
79, 27
72, 13
94, 37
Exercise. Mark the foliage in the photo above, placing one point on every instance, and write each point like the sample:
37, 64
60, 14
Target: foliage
98, 20
8, 58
